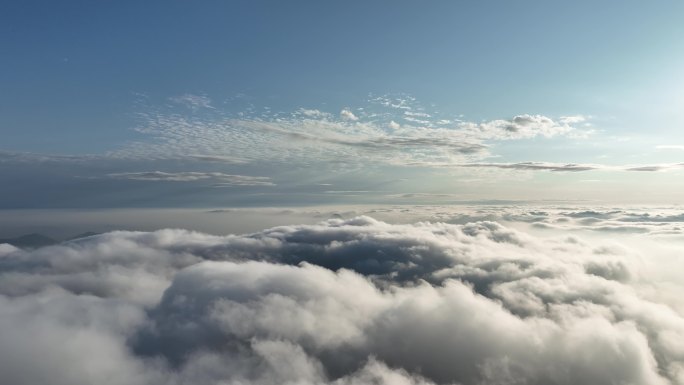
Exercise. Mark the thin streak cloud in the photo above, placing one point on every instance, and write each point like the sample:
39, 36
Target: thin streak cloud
190, 176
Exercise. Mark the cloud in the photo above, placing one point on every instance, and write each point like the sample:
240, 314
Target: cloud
218, 158
313, 113
368, 141
663, 223
565, 167
6, 249
394, 131
343, 302
572, 119
29, 157
401, 102
301, 144
652, 168
191, 176
536, 166
313, 141
346, 114
193, 102
521, 127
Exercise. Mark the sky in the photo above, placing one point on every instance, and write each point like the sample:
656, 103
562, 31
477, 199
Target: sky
345, 193
260, 103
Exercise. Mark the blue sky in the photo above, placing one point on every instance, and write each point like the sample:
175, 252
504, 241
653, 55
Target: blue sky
184, 104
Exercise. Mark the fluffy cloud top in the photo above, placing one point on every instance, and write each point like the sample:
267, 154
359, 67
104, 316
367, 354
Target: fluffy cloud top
664, 222
346, 302
346, 114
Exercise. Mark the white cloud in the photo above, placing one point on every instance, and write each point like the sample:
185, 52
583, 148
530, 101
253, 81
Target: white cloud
313, 113
520, 127
346, 114
417, 114
6, 249
346, 302
400, 102
573, 119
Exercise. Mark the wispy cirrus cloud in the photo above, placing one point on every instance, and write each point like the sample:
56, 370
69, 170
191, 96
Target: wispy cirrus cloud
218, 158
32, 157
536, 166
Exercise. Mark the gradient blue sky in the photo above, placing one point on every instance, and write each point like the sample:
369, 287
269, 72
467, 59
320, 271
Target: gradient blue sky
214, 103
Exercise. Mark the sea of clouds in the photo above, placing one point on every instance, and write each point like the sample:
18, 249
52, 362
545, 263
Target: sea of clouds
495, 297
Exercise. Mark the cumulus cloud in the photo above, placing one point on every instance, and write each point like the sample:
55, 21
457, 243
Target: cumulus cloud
351, 301
190, 176
346, 114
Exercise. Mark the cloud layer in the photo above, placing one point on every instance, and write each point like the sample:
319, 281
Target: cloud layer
282, 157
390, 130
352, 301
